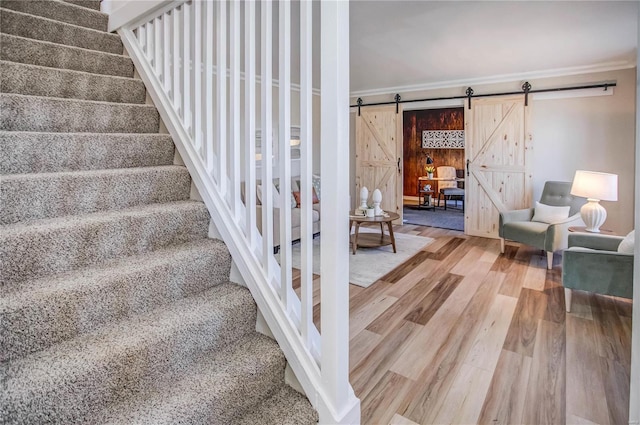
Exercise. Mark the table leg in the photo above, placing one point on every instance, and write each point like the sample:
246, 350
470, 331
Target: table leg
354, 244
393, 239
381, 231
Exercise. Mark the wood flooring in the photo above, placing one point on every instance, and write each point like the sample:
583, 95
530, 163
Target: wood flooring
461, 334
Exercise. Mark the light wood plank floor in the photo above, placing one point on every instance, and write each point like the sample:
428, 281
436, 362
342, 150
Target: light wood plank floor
460, 334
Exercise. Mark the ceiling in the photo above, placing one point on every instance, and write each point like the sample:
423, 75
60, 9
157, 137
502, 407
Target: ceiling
429, 44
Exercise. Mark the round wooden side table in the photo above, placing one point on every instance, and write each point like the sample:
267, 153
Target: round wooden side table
371, 240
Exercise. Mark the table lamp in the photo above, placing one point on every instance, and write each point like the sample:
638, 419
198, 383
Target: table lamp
595, 187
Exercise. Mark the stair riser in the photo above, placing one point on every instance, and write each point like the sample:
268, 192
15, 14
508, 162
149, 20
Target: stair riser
60, 11
122, 372
34, 52
34, 320
35, 252
35, 196
29, 26
54, 152
50, 82
90, 4
26, 113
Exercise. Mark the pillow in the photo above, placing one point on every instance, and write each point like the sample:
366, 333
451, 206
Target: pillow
627, 244
549, 214
292, 201
299, 197
275, 195
315, 182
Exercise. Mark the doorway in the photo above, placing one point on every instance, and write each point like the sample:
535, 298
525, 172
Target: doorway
433, 138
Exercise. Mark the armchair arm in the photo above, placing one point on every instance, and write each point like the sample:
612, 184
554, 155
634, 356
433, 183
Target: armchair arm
603, 272
516, 215
558, 233
595, 241
513, 215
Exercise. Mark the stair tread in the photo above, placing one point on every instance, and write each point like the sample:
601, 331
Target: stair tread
24, 152
216, 382
68, 34
163, 343
18, 49
285, 407
40, 195
92, 173
37, 113
61, 11
73, 72
78, 101
43, 81
44, 224
77, 280
90, 4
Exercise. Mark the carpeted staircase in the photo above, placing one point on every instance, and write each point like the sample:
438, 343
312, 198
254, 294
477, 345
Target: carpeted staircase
115, 307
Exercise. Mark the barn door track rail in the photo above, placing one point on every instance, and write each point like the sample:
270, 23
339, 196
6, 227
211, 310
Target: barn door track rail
469, 93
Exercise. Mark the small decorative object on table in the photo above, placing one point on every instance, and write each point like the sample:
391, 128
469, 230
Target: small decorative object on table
364, 195
370, 212
430, 170
377, 199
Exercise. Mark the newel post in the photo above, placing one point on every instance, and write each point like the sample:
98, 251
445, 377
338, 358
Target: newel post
334, 252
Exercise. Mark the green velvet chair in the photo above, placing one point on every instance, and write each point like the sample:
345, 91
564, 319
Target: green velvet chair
592, 263
517, 226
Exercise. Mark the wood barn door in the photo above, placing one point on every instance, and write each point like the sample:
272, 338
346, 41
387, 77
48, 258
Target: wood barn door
379, 155
498, 152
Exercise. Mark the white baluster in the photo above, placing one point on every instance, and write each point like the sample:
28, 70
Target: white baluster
167, 56
221, 89
149, 36
157, 35
266, 87
197, 79
234, 105
250, 120
306, 166
208, 88
186, 66
177, 58
284, 52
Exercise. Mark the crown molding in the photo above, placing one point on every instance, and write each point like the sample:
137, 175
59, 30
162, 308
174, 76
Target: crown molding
504, 78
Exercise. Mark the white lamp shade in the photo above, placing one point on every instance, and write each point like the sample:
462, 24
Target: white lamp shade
595, 185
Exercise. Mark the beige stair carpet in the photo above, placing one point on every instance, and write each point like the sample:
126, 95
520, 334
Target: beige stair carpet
114, 305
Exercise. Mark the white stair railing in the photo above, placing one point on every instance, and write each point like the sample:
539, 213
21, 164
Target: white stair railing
200, 71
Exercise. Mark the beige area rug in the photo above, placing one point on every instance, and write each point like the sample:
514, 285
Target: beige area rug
370, 264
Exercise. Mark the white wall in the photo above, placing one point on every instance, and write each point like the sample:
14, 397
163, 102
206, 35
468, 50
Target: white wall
592, 133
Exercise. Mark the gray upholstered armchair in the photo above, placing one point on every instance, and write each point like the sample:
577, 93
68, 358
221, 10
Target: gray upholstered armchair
517, 225
592, 263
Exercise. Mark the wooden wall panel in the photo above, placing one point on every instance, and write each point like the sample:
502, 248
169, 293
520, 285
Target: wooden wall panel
414, 123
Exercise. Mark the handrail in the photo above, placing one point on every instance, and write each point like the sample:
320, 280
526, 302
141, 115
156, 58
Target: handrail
214, 128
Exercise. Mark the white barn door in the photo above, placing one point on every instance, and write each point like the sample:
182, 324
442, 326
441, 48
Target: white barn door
498, 155
379, 155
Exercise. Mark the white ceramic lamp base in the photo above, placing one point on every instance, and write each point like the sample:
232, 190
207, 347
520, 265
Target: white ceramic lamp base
593, 214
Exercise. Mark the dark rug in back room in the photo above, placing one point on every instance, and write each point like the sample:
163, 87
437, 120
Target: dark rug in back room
450, 219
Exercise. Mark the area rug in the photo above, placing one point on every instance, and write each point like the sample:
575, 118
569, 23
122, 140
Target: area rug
452, 219
370, 264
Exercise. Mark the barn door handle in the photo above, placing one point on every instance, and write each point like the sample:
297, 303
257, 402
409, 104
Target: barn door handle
398, 165
468, 161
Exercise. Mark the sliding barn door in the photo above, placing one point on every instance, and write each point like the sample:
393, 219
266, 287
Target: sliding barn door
499, 153
378, 155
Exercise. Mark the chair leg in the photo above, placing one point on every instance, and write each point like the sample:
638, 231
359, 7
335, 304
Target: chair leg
567, 299
501, 245
549, 260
